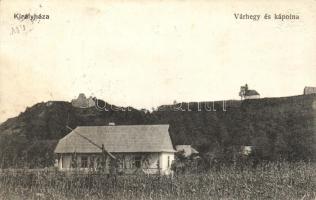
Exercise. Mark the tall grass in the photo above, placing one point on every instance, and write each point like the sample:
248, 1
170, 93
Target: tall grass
266, 181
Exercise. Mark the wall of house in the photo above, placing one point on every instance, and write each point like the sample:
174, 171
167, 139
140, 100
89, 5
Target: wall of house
129, 163
166, 160
252, 97
64, 161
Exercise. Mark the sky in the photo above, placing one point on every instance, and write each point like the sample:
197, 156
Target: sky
147, 53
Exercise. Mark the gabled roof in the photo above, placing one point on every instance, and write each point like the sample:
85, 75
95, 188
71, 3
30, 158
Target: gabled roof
251, 93
309, 89
186, 149
124, 138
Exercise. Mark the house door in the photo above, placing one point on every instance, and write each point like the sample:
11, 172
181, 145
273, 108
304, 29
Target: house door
62, 162
138, 161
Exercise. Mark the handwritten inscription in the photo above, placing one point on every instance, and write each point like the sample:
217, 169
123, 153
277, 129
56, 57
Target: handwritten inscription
19, 29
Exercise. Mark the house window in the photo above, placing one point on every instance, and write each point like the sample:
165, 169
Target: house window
122, 163
91, 164
168, 161
61, 160
74, 161
128, 163
101, 162
84, 162
138, 161
98, 161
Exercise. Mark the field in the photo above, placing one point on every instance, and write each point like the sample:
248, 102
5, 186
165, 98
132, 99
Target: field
266, 181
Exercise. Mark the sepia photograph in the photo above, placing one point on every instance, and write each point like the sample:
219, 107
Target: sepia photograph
157, 100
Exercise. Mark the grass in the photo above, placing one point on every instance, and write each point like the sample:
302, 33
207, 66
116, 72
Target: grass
267, 181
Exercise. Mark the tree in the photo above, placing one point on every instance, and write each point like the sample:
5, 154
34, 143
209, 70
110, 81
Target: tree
243, 91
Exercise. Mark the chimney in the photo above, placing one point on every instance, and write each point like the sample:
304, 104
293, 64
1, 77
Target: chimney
111, 124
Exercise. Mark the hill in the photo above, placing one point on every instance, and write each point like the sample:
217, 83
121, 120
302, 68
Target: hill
281, 128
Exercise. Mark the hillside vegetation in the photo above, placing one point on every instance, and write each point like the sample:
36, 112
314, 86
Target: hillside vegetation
280, 128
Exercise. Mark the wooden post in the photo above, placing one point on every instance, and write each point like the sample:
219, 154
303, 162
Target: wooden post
104, 157
158, 164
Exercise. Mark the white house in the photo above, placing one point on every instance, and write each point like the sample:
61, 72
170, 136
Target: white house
146, 148
246, 150
245, 93
252, 94
309, 90
187, 150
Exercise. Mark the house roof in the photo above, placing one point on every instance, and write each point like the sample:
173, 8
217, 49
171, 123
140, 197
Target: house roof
251, 93
124, 138
187, 149
309, 89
